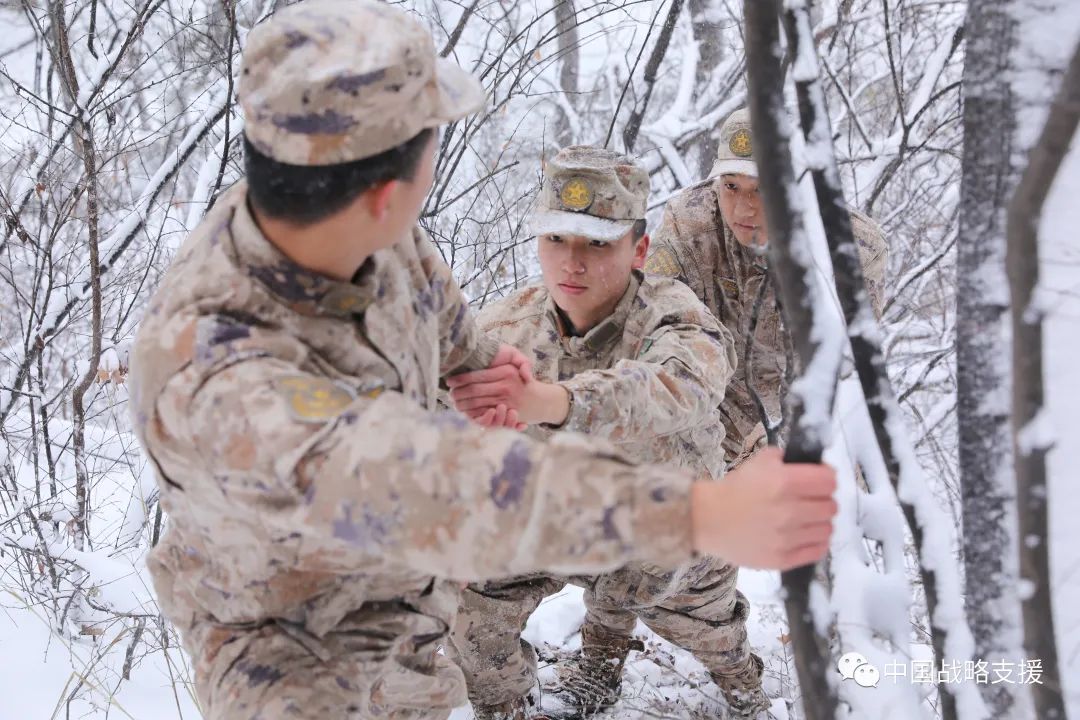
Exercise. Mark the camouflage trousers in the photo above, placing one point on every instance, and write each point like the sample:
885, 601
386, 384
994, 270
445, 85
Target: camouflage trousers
274, 671
695, 607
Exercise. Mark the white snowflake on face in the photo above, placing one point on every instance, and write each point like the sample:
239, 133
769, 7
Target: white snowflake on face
849, 662
866, 675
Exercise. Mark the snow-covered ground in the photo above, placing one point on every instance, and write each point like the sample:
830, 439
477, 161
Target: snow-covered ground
39, 671
665, 681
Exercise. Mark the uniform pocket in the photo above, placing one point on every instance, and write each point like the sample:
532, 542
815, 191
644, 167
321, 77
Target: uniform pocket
419, 682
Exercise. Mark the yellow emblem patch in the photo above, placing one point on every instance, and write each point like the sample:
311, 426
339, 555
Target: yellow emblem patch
576, 194
663, 262
313, 399
741, 143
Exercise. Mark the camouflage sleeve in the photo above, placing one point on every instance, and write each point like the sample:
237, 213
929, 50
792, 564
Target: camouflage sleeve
677, 381
874, 256
462, 346
374, 479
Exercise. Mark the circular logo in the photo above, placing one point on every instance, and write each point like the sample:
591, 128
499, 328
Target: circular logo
740, 143
313, 399
576, 194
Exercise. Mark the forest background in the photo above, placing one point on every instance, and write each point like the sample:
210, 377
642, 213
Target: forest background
119, 127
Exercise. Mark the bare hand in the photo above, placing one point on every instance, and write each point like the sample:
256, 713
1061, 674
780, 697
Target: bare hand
499, 416
510, 356
475, 393
765, 513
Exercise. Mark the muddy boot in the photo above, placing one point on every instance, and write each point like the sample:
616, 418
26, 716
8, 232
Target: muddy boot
590, 681
742, 690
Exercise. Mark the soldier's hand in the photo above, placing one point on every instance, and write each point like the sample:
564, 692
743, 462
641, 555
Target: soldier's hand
499, 416
475, 393
510, 356
765, 513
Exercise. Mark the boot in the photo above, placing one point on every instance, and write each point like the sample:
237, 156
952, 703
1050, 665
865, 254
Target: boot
512, 710
517, 709
742, 689
591, 680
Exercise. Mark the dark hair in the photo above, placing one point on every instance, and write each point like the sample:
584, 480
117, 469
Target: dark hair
638, 231
306, 194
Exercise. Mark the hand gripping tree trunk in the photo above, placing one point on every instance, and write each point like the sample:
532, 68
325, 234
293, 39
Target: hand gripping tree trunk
865, 337
790, 262
1022, 261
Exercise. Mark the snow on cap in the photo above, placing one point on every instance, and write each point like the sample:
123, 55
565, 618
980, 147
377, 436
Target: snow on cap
333, 81
736, 153
592, 192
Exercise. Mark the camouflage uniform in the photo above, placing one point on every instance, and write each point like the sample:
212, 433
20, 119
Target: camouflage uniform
649, 378
696, 246
321, 512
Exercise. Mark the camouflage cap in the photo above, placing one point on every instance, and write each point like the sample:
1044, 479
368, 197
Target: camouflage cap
592, 192
736, 153
332, 81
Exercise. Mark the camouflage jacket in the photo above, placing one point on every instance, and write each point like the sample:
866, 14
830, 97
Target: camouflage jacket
649, 378
695, 246
310, 484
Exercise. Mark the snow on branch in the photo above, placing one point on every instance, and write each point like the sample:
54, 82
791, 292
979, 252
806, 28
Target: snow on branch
817, 349
929, 526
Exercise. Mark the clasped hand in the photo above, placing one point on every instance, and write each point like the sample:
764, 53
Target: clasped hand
506, 394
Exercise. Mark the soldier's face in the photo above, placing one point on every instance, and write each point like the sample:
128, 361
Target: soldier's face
587, 278
740, 204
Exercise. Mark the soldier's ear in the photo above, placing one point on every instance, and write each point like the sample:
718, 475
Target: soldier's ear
641, 252
378, 198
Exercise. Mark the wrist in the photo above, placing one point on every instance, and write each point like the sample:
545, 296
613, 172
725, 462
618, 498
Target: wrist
554, 405
707, 510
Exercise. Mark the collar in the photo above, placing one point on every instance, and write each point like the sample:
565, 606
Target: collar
306, 292
606, 331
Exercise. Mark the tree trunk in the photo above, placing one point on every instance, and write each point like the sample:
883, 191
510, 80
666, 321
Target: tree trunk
706, 22
652, 67
566, 26
1029, 444
855, 301
85, 147
791, 266
982, 337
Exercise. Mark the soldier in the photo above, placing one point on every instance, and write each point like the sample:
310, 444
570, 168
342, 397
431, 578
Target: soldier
638, 361
322, 514
713, 238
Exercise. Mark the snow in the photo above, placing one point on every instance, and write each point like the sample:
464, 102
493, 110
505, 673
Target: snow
1038, 434
110, 361
61, 304
38, 671
1059, 256
664, 681
805, 68
810, 250
872, 572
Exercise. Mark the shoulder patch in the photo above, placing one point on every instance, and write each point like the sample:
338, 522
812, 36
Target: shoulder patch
663, 262
314, 399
